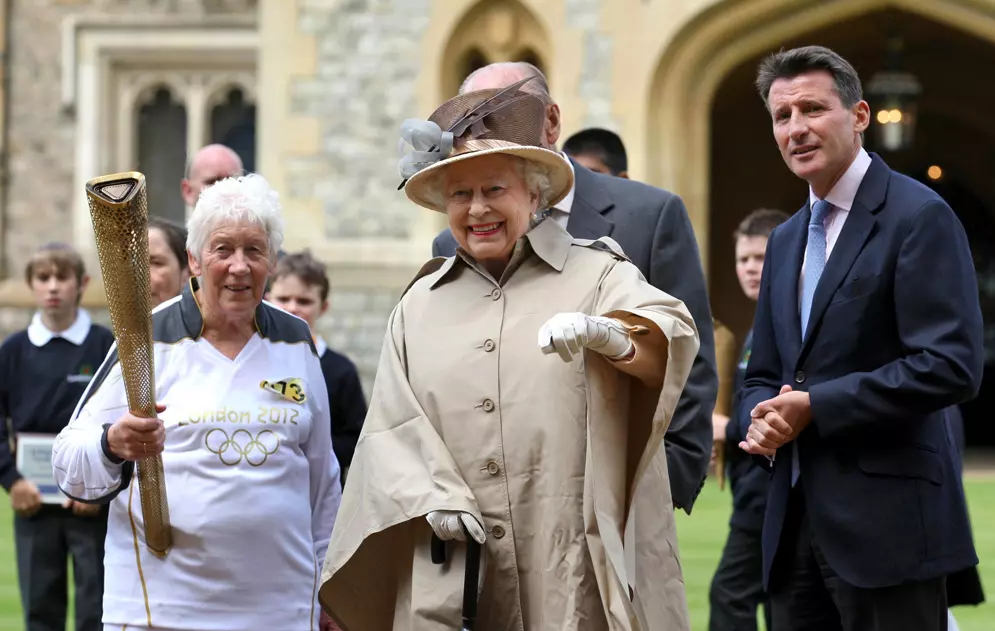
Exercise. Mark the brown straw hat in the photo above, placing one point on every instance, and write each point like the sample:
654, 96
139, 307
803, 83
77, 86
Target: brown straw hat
476, 124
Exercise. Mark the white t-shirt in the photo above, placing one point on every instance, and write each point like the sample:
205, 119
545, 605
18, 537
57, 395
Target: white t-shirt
252, 481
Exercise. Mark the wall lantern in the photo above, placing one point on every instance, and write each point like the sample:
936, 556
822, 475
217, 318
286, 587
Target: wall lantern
894, 98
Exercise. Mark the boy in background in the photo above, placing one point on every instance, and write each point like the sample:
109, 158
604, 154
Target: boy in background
599, 150
737, 587
299, 285
44, 370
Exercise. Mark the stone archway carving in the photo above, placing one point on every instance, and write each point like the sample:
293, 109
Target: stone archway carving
491, 31
722, 37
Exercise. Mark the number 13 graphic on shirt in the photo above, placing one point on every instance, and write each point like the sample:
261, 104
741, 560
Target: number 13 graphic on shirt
291, 388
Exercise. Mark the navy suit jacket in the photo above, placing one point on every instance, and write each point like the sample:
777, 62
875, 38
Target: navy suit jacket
894, 337
653, 229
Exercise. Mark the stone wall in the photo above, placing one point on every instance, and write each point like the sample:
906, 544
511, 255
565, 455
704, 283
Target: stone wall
355, 325
595, 85
364, 86
40, 135
369, 56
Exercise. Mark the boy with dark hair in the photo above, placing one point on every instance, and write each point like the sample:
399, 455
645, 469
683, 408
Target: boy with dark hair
737, 587
299, 285
43, 373
599, 150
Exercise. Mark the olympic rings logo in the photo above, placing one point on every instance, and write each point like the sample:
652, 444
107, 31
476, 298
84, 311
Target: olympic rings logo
242, 444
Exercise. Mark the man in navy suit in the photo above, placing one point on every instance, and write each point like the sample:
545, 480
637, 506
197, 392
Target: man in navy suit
652, 227
868, 325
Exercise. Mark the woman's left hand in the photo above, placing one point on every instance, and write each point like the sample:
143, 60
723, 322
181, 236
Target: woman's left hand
569, 333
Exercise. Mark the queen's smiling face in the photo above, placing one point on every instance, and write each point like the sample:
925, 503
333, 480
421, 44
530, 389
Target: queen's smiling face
489, 205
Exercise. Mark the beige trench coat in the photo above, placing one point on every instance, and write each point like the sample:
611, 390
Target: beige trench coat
562, 462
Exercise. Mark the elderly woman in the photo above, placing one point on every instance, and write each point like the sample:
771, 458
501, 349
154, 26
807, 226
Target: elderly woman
168, 266
522, 396
244, 431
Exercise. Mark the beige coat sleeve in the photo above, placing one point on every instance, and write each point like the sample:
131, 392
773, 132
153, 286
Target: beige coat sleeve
659, 321
630, 407
401, 471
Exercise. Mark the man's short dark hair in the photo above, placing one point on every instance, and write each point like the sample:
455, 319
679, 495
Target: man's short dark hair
760, 223
602, 144
788, 64
304, 266
176, 238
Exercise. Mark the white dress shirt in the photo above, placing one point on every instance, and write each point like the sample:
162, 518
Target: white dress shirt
561, 211
841, 197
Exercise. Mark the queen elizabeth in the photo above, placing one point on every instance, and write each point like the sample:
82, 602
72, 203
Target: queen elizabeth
522, 396
244, 431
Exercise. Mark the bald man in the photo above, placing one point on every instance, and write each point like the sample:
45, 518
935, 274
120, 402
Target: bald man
210, 164
654, 230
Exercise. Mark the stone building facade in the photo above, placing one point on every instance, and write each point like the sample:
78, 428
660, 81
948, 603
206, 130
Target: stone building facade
315, 91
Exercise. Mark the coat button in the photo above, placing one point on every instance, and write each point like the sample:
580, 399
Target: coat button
496, 294
497, 531
489, 345
488, 405
799, 377
493, 468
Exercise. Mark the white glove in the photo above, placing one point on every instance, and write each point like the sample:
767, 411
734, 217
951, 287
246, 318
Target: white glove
568, 333
446, 525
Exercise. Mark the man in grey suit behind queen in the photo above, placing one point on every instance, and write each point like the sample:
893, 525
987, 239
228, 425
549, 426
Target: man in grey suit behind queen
652, 227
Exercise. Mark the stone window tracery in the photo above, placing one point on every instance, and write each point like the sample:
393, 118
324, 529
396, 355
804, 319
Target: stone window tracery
148, 92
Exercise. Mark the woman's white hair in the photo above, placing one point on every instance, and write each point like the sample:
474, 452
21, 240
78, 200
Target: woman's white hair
537, 178
246, 199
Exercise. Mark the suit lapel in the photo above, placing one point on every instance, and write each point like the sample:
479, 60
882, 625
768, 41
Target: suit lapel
849, 244
792, 269
591, 201
858, 227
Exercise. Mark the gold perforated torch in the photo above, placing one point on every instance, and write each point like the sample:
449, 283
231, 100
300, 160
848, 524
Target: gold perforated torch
119, 210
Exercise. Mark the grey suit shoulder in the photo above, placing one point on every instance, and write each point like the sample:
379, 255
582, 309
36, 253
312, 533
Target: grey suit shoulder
633, 191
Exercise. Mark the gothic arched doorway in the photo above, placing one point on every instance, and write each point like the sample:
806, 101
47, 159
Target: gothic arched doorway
497, 30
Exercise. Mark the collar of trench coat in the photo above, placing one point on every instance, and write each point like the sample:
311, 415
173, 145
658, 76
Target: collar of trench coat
548, 240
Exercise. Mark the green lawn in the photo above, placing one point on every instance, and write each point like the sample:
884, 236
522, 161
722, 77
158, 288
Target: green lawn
701, 538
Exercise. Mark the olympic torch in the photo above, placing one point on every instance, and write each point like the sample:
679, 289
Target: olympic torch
119, 211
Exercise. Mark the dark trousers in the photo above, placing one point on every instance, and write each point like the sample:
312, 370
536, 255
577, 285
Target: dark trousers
737, 587
44, 543
807, 595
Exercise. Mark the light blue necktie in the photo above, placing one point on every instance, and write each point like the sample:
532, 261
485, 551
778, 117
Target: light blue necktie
815, 258
815, 262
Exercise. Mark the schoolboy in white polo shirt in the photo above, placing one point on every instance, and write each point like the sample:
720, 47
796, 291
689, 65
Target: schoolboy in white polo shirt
43, 373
